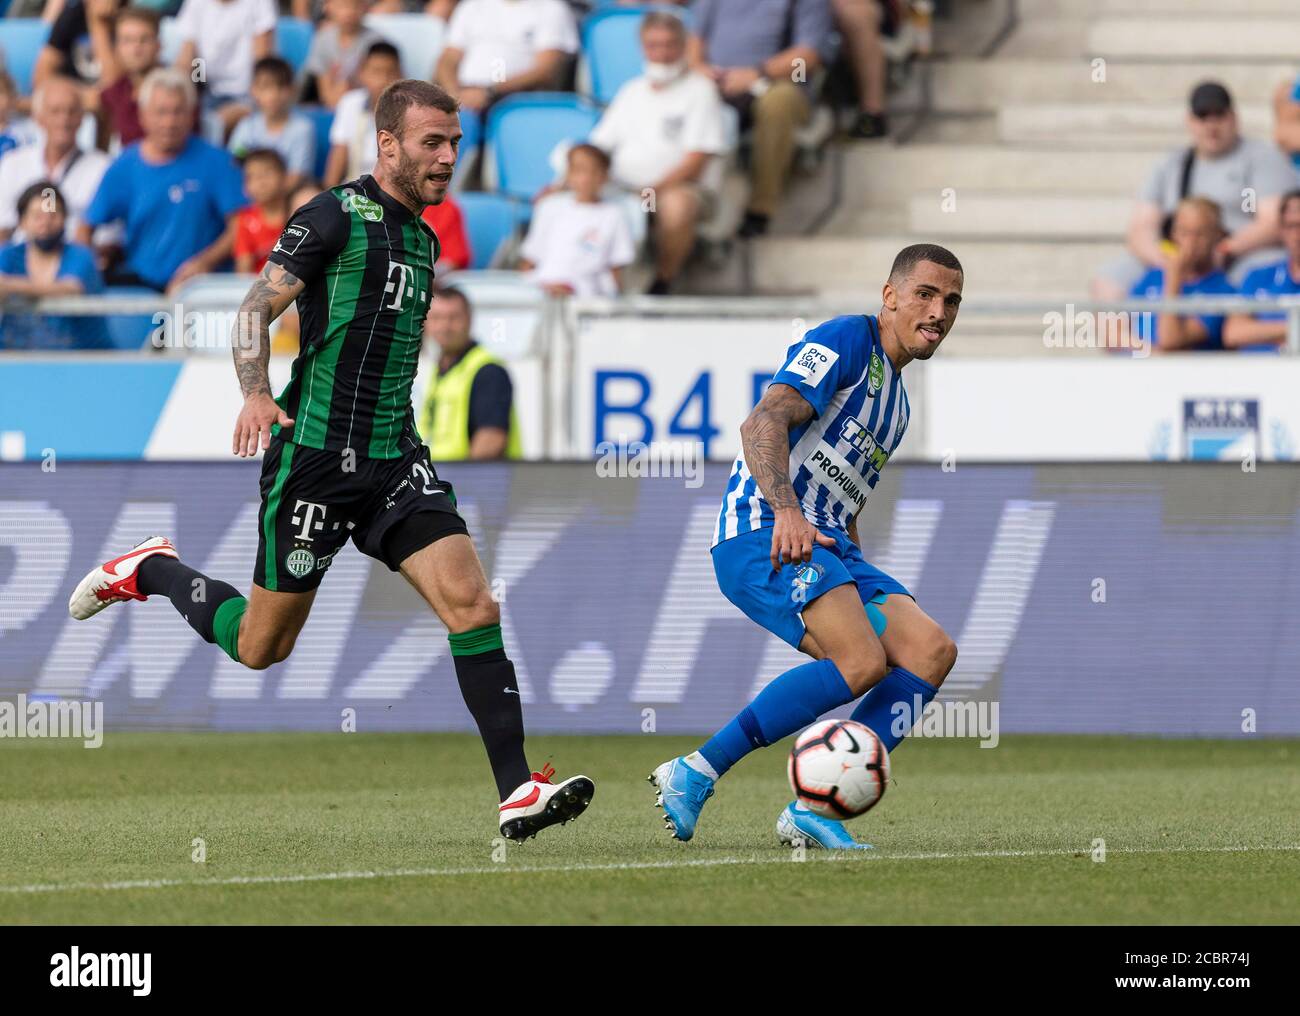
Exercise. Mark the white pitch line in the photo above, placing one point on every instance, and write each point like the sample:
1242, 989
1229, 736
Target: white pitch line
507, 869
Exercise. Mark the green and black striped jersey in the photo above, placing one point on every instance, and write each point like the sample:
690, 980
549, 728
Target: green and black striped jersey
368, 267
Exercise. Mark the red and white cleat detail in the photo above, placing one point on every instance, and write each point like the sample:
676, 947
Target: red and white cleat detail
115, 580
540, 803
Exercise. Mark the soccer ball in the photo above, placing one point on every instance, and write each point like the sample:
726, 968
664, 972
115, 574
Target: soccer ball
838, 769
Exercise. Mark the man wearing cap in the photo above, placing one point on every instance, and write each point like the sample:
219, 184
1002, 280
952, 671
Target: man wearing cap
1244, 177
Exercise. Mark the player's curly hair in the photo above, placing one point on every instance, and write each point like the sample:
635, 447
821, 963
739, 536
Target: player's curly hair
397, 98
909, 257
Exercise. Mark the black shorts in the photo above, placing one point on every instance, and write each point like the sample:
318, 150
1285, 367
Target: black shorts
313, 500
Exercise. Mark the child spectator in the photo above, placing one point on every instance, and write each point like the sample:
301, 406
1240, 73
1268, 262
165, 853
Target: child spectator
15, 130
448, 221
353, 148
337, 49
45, 265
225, 37
257, 227
577, 242
275, 125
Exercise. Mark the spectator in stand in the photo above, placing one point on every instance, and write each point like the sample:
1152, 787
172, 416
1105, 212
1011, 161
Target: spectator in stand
858, 22
176, 193
46, 265
81, 30
1222, 166
57, 109
664, 132
498, 47
15, 130
1267, 332
762, 53
258, 227
1188, 270
468, 407
125, 56
1286, 119
353, 145
226, 37
275, 125
448, 222
338, 46
579, 243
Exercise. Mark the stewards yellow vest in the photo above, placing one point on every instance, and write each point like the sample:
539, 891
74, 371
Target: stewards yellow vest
444, 423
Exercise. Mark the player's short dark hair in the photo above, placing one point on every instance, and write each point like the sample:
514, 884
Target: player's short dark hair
452, 293
599, 154
275, 67
909, 257
41, 190
265, 155
141, 14
382, 48
1287, 198
397, 98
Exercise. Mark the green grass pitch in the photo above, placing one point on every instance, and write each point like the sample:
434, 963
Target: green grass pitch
393, 828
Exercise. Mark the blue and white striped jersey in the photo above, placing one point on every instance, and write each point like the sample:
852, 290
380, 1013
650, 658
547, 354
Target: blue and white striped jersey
860, 415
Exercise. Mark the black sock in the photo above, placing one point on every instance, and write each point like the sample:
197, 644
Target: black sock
195, 596
491, 691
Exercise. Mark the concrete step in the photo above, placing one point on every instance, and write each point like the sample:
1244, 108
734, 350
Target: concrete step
1132, 125
1057, 270
1055, 37
1178, 37
880, 175
985, 86
1042, 217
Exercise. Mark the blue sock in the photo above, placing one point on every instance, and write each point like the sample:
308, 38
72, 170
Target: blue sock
881, 708
789, 703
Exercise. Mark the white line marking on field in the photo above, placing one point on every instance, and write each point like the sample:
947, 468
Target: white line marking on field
506, 869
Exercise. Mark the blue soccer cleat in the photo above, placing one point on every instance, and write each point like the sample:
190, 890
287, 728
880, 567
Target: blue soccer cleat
682, 793
797, 824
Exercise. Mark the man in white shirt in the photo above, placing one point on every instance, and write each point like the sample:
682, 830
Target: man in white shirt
225, 37
498, 47
57, 110
665, 132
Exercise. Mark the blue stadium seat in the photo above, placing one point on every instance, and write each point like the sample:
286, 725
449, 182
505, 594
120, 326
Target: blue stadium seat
523, 130
490, 220
21, 40
322, 119
611, 50
129, 331
419, 40
293, 40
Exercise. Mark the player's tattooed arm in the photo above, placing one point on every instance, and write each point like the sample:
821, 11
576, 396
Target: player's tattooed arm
765, 436
267, 298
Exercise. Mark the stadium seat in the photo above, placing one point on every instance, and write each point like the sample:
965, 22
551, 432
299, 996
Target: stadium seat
293, 40
490, 222
611, 48
169, 39
21, 40
521, 133
129, 331
419, 40
322, 118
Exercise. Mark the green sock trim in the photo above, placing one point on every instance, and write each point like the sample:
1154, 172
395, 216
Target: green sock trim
225, 625
480, 640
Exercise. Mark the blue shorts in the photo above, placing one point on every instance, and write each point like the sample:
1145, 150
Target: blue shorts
776, 600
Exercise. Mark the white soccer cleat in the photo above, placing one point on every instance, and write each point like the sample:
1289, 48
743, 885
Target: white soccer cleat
540, 803
115, 581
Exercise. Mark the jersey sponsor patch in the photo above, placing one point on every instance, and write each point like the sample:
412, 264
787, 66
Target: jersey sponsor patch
291, 239
813, 362
842, 481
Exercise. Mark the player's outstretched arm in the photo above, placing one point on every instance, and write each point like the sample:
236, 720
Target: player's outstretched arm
267, 298
765, 436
